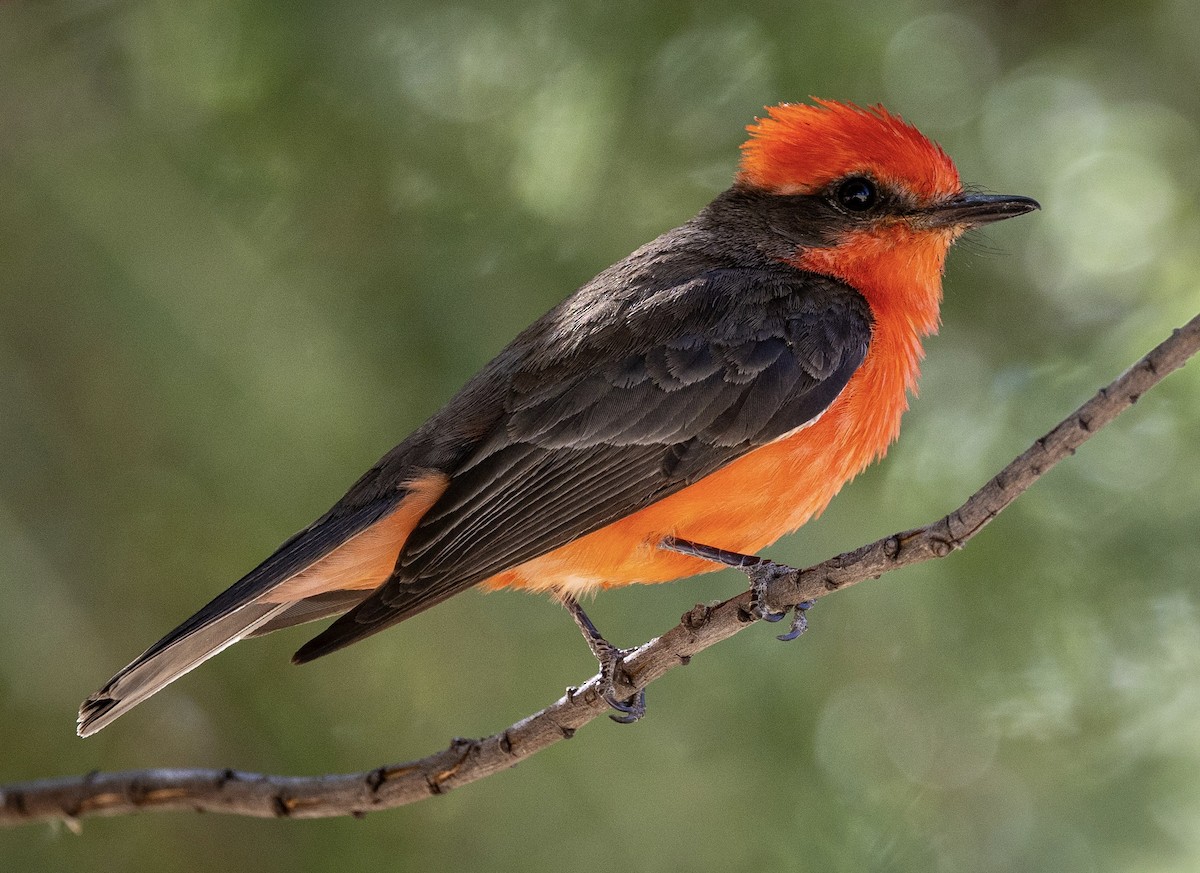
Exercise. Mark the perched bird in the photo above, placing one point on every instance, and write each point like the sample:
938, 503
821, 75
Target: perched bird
706, 395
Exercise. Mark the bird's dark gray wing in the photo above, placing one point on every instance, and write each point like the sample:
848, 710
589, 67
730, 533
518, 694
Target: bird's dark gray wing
673, 388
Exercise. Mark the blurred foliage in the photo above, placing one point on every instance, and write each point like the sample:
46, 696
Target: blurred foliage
247, 246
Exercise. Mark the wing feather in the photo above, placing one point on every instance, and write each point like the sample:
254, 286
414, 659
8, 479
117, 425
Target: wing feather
622, 420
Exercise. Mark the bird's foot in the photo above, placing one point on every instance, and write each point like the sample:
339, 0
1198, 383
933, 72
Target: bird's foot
761, 573
612, 666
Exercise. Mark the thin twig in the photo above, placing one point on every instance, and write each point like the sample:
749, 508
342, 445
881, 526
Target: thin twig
72, 798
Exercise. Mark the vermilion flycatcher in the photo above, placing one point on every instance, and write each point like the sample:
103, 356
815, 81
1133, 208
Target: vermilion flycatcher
713, 390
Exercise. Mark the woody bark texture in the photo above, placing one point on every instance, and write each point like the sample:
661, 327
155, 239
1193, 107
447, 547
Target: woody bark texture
72, 798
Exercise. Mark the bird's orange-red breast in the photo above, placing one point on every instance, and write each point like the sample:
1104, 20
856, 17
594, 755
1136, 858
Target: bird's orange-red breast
719, 385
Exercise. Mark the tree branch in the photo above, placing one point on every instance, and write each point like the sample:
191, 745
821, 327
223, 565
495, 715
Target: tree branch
72, 798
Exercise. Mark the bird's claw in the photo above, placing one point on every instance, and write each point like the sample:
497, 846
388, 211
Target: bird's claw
632, 708
799, 621
761, 575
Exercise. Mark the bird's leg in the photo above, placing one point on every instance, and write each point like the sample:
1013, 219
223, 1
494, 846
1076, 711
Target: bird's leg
610, 658
761, 573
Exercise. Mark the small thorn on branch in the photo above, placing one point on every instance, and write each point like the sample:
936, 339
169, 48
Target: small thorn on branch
696, 617
376, 778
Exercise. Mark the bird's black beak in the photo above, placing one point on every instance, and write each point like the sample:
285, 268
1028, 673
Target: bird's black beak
972, 210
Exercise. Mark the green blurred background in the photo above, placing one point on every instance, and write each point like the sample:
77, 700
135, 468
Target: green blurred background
247, 246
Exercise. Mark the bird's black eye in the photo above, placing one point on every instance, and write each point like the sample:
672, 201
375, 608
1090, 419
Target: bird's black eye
857, 194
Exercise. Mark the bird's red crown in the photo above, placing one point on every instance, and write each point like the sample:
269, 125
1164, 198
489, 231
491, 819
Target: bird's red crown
798, 148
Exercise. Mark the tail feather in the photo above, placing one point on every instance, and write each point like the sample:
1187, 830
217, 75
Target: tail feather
311, 609
161, 665
258, 603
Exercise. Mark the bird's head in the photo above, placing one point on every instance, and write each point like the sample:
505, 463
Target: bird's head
884, 201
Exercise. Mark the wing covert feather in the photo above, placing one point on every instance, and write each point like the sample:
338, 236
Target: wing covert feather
645, 407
